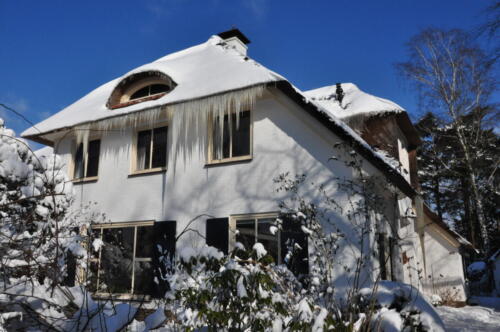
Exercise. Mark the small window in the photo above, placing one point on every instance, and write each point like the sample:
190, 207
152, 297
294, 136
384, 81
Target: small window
151, 149
124, 265
235, 140
86, 164
140, 87
250, 230
150, 90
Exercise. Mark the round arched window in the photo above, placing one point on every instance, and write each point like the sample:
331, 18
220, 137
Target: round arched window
140, 87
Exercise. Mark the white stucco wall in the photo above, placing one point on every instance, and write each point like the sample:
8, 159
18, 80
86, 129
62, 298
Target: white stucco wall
285, 139
443, 264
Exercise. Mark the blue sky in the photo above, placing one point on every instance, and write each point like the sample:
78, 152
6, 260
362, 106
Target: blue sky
55, 51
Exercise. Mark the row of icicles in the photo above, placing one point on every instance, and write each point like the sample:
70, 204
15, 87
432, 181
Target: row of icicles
187, 120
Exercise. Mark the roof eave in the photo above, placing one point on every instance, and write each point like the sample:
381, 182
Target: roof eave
396, 178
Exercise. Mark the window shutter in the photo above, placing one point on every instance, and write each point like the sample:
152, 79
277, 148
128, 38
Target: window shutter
163, 253
292, 234
217, 233
93, 158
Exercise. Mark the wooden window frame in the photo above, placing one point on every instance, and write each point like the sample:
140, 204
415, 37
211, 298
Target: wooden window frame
255, 216
122, 296
210, 157
74, 149
133, 164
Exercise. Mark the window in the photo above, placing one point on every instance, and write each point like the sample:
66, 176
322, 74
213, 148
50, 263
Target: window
150, 90
86, 163
235, 140
151, 150
130, 259
140, 87
252, 228
124, 265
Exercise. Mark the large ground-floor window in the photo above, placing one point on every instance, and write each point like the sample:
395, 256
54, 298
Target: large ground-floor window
124, 263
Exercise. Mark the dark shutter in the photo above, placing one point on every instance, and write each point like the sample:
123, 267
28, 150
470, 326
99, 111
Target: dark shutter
159, 158
163, 255
93, 158
217, 233
382, 256
78, 169
292, 234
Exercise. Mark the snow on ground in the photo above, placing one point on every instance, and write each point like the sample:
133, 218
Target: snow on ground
483, 317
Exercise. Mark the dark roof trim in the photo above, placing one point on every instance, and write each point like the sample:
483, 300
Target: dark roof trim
39, 139
393, 175
409, 130
234, 33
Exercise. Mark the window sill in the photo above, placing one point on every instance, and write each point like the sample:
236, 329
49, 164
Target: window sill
149, 171
137, 101
129, 297
85, 180
226, 161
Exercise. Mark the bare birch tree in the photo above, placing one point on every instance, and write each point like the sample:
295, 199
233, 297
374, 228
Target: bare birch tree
454, 79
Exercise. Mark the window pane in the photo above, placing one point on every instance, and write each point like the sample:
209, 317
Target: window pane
143, 278
141, 93
246, 233
221, 147
143, 149
92, 276
272, 248
264, 226
159, 147
117, 260
268, 240
241, 135
145, 242
78, 173
93, 158
158, 88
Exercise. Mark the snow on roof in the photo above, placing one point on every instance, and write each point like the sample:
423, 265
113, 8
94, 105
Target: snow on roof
202, 70
44, 152
209, 69
355, 102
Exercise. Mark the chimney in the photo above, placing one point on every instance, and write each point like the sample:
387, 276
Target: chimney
236, 39
339, 93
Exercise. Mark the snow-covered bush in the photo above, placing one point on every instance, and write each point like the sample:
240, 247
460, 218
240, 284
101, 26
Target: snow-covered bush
393, 306
245, 291
242, 291
40, 239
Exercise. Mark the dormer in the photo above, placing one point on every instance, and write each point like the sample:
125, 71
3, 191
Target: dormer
140, 87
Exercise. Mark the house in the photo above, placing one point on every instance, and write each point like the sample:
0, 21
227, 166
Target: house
183, 151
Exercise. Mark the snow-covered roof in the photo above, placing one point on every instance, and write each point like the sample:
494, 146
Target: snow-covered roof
202, 70
211, 69
44, 152
355, 102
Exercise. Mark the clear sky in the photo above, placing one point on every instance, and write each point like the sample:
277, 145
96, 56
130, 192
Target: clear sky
53, 52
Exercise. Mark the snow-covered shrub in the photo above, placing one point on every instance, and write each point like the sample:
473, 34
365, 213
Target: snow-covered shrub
40, 239
242, 291
34, 197
393, 306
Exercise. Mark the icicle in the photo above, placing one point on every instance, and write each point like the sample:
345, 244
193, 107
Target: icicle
82, 136
188, 121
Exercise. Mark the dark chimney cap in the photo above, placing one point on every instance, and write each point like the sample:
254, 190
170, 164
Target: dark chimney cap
234, 32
